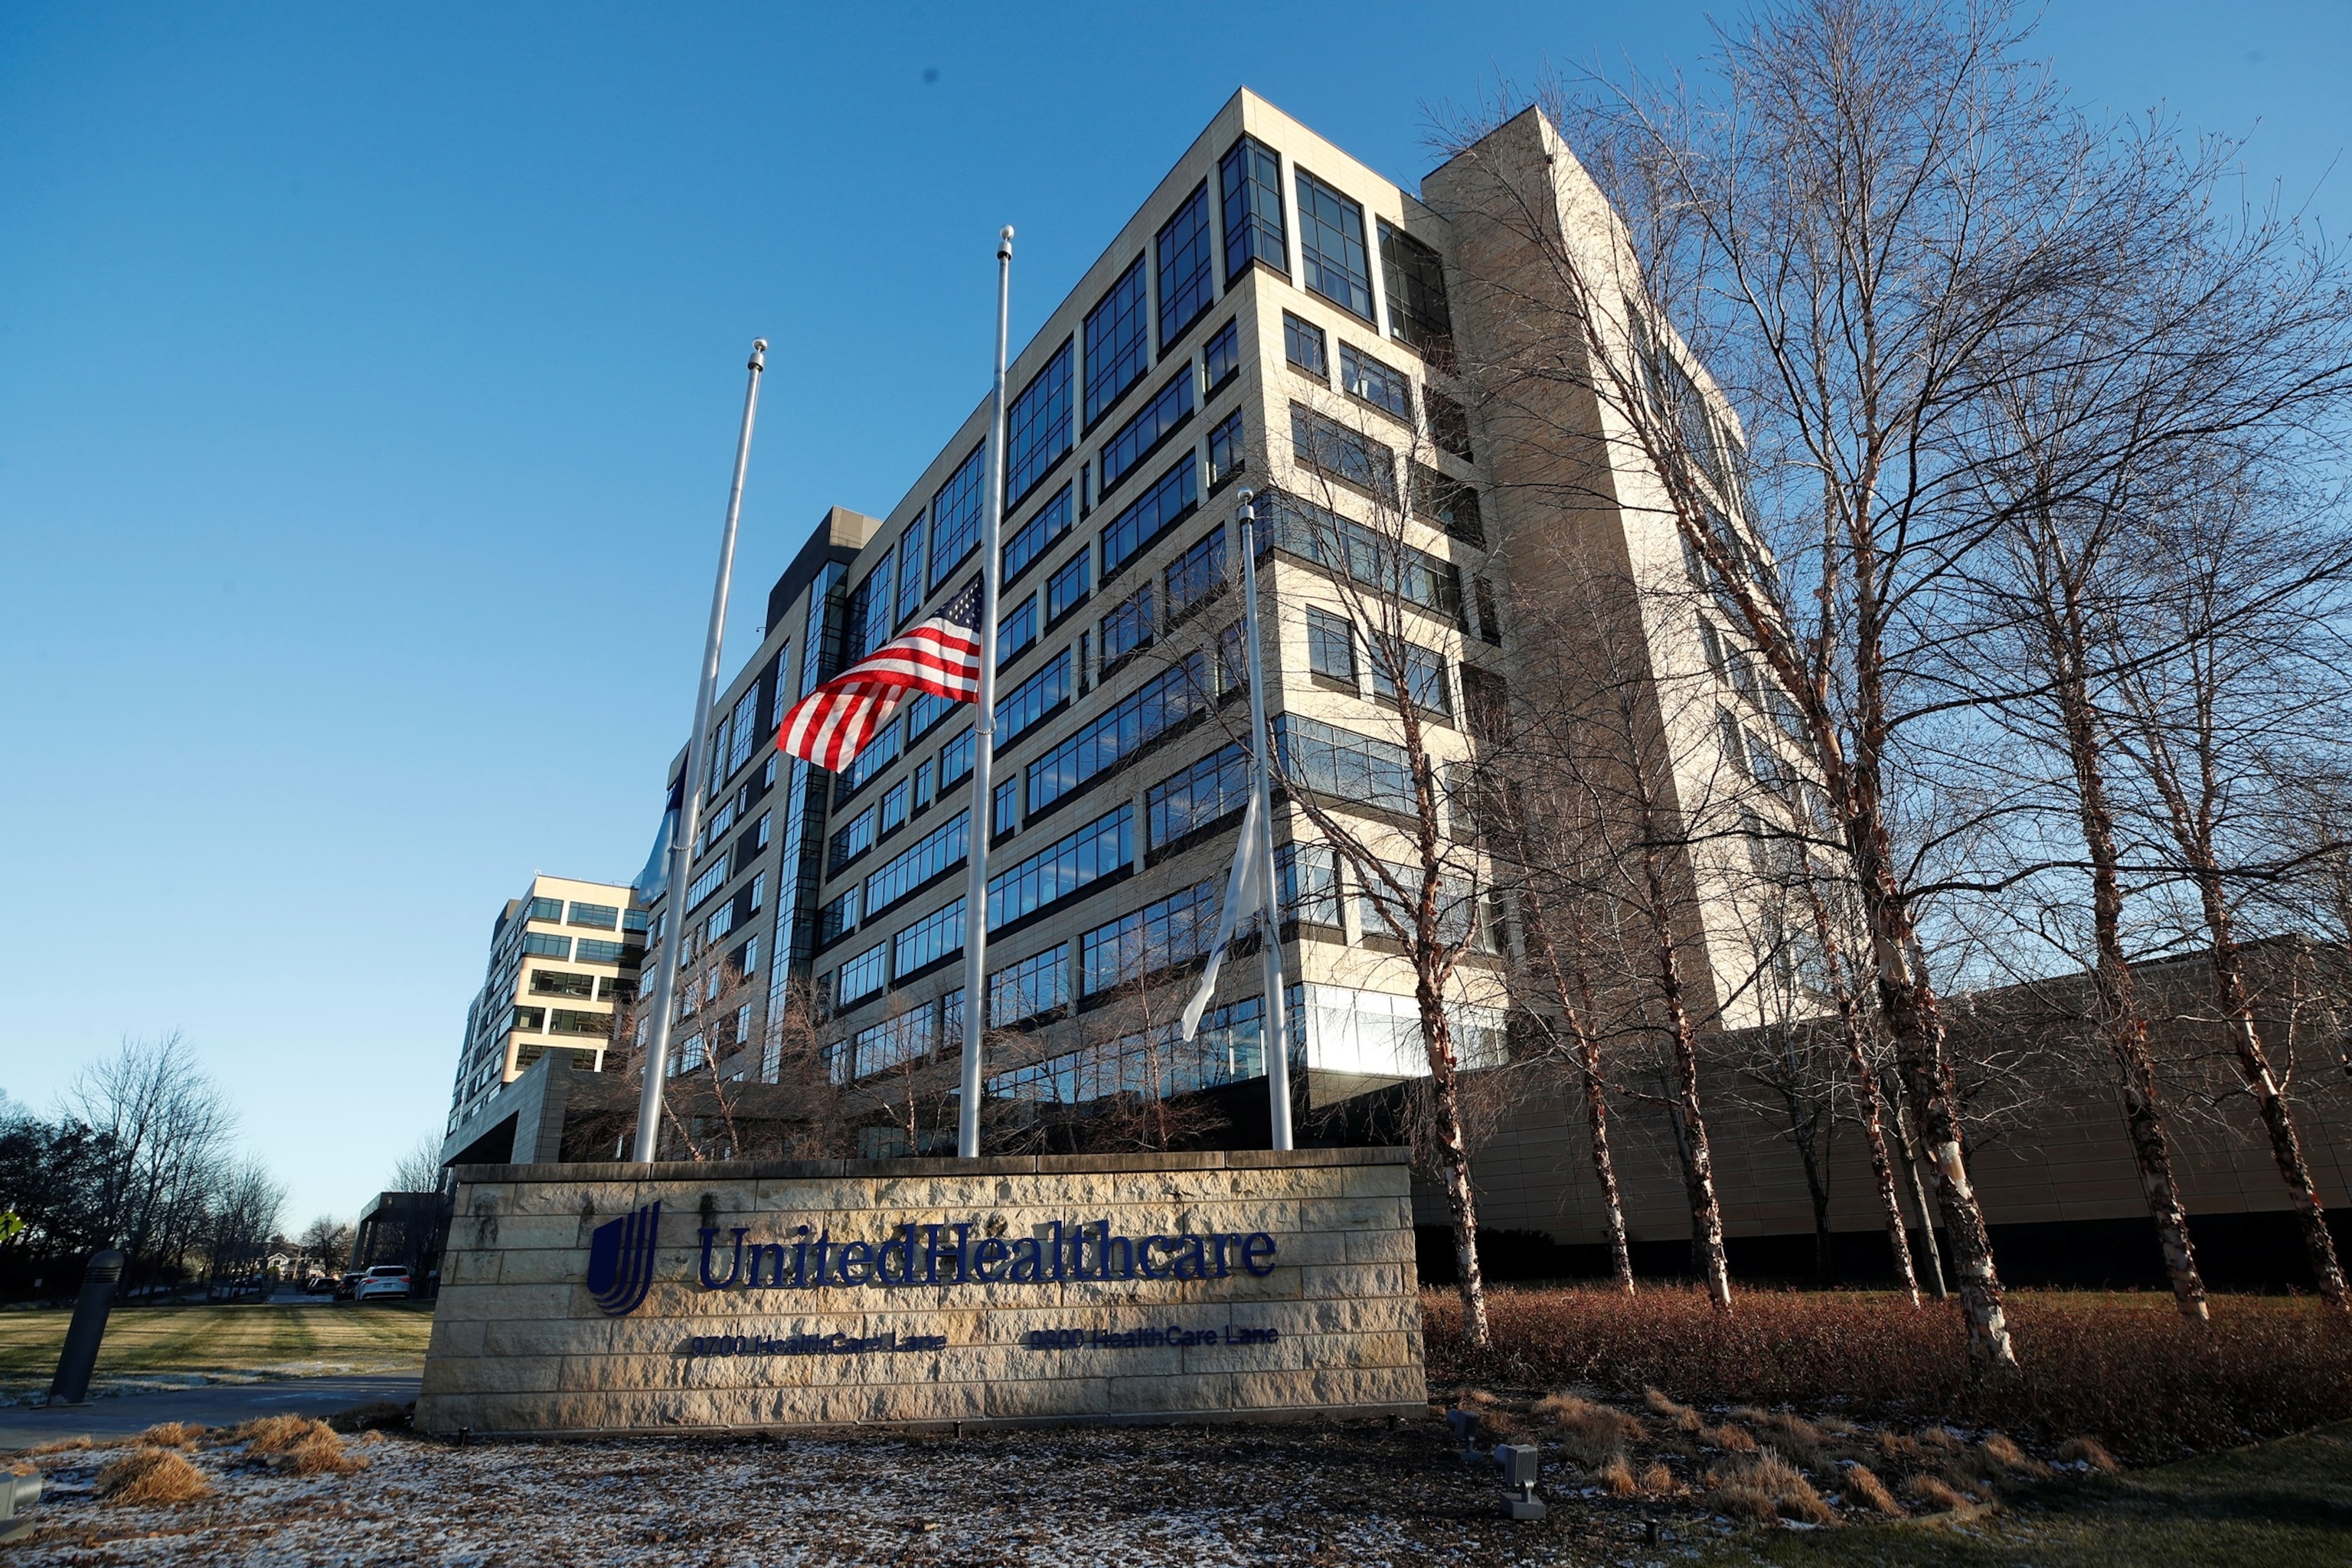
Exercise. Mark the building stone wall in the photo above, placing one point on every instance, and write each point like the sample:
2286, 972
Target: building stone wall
519, 1344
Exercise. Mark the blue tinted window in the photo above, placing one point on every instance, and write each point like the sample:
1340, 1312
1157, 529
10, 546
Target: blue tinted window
1149, 711
1167, 503
1017, 632
955, 516
1037, 427
1343, 764
1209, 791
866, 620
910, 571
1146, 941
1067, 588
1048, 523
1381, 385
1032, 700
1022, 991
1126, 628
1302, 345
1223, 357
934, 853
930, 939
955, 760
1227, 455
1118, 350
1098, 850
1197, 573
1141, 436
1251, 180
1187, 284
1331, 246
863, 976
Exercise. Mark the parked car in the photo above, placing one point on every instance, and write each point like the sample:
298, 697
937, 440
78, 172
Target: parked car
347, 1288
318, 1285
384, 1282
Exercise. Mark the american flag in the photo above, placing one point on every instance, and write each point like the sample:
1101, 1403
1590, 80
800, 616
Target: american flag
942, 655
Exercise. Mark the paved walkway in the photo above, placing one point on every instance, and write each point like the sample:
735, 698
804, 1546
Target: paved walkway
220, 1405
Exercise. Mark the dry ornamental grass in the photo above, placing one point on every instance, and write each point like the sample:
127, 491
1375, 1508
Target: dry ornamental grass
150, 1476
2120, 1367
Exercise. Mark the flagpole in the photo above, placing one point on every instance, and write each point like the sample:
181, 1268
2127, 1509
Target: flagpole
689, 811
984, 744
1274, 1038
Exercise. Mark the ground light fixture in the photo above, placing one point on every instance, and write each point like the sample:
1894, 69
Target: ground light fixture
1519, 1463
17, 1496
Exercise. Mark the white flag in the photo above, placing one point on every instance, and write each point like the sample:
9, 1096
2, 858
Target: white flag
1241, 900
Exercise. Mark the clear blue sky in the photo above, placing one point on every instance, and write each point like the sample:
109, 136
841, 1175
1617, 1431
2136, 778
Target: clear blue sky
368, 377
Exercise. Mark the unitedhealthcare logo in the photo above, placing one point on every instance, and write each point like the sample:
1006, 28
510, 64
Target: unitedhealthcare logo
621, 1260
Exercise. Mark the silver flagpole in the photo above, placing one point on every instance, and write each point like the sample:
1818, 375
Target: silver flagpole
1274, 1038
984, 744
689, 809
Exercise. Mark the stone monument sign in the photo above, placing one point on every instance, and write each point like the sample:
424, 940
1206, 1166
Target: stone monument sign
999, 1290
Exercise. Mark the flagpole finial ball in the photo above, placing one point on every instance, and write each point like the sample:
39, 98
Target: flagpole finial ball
759, 345
1004, 233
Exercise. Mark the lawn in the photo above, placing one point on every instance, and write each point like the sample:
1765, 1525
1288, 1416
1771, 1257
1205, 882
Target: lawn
2271, 1505
183, 1345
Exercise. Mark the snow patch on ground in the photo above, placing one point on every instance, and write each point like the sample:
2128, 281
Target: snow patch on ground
1079, 1497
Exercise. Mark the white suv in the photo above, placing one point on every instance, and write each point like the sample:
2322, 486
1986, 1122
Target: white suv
383, 1282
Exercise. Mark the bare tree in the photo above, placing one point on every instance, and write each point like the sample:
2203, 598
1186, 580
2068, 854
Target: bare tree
165, 1125
1858, 227
1391, 805
328, 1241
419, 1170
2246, 663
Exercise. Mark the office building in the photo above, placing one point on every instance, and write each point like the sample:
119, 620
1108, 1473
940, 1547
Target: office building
563, 959
1274, 316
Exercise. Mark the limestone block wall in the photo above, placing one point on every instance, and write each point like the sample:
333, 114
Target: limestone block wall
1307, 1307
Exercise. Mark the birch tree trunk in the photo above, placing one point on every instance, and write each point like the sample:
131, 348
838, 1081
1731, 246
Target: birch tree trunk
1576, 1010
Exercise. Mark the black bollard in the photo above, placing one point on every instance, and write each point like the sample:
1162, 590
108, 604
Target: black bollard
75, 1362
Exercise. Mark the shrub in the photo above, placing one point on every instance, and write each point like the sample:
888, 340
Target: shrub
1782, 1489
171, 1435
298, 1444
1618, 1477
1657, 1478
2120, 1368
151, 1476
1590, 1432
2087, 1451
1930, 1490
1864, 1483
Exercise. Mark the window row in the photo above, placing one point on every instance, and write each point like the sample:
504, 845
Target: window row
596, 917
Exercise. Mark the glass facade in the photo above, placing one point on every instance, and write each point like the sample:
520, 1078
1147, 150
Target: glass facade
1221, 361
1160, 704
1196, 574
1126, 628
1250, 181
1119, 348
1149, 940
1331, 246
1381, 384
1032, 538
1415, 283
1141, 436
955, 516
1188, 281
1037, 433
1302, 345
1168, 502
1099, 849
1228, 449
1215, 787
